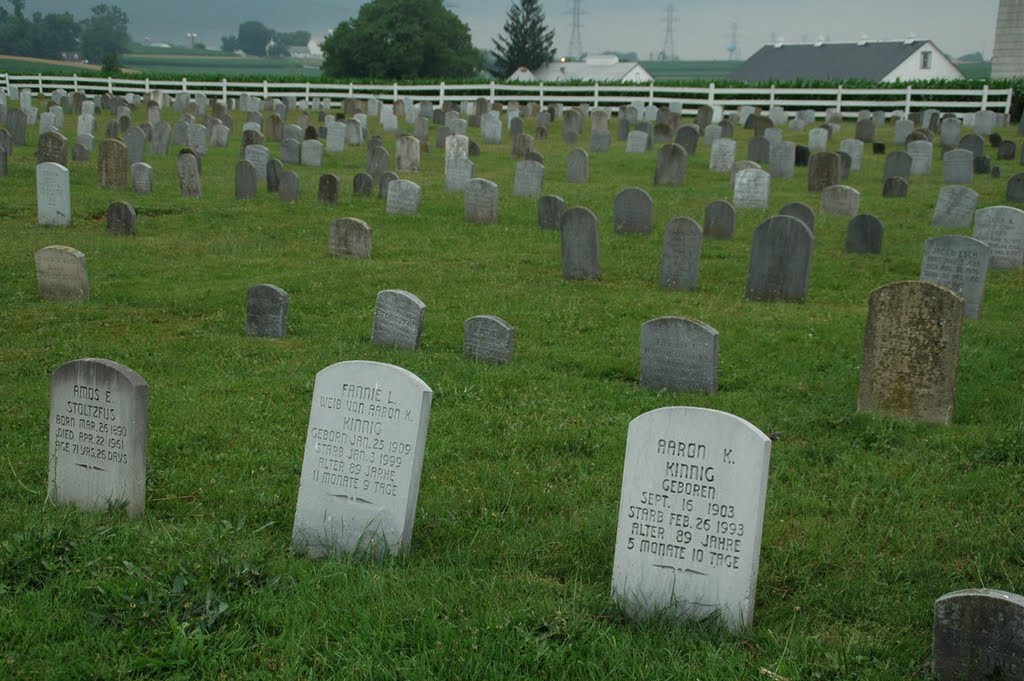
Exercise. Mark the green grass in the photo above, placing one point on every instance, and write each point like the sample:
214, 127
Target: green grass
20, 66
216, 63
868, 520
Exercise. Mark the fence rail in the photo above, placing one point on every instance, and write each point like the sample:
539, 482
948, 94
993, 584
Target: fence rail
847, 101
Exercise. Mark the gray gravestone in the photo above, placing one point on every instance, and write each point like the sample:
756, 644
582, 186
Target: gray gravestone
113, 164
671, 167
723, 155
135, 141
1002, 228
550, 209
677, 353
678, 551
897, 164
398, 320
751, 187
864, 234
328, 189
142, 178
719, 220
266, 311
258, 155
840, 200
275, 169
894, 188
365, 509
403, 198
687, 137
680, 255
407, 154
577, 166
480, 202
160, 142
99, 426
291, 151
911, 349
1015, 188
311, 153
350, 237
920, 157
362, 184
822, 171
245, 180
528, 179
959, 263
955, 206
52, 148
488, 339
581, 256
61, 274
457, 172
976, 635
636, 142
958, 167
758, 150
800, 211
855, 149
288, 188
188, 176
121, 219
780, 260
782, 159
634, 211
53, 195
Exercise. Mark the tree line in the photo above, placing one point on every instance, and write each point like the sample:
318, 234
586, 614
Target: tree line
99, 38
257, 40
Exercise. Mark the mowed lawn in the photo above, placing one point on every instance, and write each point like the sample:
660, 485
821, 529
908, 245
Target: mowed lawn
868, 520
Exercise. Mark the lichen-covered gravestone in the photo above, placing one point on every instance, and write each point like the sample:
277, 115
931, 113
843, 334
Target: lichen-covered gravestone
679, 354
480, 201
634, 211
954, 207
121, 219
680, 255
266, 311
398, 320
98, 432
581, 255
691, 513
350, 237
61, 274
488, 339
1002, 228
362, 462
978, 634
403, 198
911, 350
960, 264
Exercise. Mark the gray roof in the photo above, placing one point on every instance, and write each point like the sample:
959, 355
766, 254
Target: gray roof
828, 61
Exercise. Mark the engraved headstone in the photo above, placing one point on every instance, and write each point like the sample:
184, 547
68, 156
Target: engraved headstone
723, 155
678, 550
377, 162
973, 143
350, 237
328, 189
488, 339
52, 148
245, 180
366, 509
976, 635
671, 166
113, 164
855, 149
822, 171
403, 198
840, 200
362, 184
577, 166
581, 256
911, 349
751, 187
53, 194
817, 140
719, 220
99, 422
528, 179
958, 167
188, 175
680, 255
894, 188
687, 137
61, 274
782, 159
288, 188
398, 320
266, 311
780, 260
864, 234
959, 263
407, 154
636, 142
142, 178
955, 206
480, 201
800, 211
634, 211
549, 212
677, 353
121, 219
1002, 228
274, 170
920, 157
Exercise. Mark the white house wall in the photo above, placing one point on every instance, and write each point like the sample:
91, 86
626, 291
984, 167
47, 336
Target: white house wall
911, 69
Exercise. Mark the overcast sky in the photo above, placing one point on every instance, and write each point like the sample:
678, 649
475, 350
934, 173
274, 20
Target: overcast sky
702, 30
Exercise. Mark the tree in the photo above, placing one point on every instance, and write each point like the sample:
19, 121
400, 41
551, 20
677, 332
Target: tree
54, 34
401, 39
293, 39
229, 43
254, 37
104, 33
524, 41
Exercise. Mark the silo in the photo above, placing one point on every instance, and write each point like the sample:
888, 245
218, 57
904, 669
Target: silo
1008, 53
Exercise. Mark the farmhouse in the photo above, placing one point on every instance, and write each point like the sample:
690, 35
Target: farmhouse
605, 68
882, 61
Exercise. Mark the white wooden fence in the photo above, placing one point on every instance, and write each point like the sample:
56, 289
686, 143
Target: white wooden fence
847, 101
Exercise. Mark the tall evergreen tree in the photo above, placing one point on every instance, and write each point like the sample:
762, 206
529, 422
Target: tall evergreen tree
525, 39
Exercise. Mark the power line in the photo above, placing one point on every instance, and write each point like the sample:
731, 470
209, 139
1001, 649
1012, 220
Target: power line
668, 50
734, 41
575, 40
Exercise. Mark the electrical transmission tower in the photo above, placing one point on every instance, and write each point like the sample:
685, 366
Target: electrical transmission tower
575, 41
734, 41
668, 50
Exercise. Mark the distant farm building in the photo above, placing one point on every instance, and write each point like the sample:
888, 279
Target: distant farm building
881, 61
603, 68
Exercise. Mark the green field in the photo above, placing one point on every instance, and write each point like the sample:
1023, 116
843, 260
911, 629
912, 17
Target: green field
20, 66
179, 62
868, 519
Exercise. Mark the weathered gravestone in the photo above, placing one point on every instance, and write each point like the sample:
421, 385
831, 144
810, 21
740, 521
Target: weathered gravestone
1002, 228
581, 256
288, 188
855, 150
275, 169
99, 423
680, 255
678, 551
135, 141
671, 166
52, 148
864, 234
960, 263
266, 311
291, 151
160, 142
758, 150
407, 154
920, 157
528, 179
911, 348
549, 211
958, 167
258, 155
142, 178
113, 164
822, 171
800, 211
723, 155
121, 219
188, 176
1015, 188
978, 635
367, 509
350, 237
398, 320
53, 195
751, 187
457, 172
488, 339
634, 211
687, 137
679, 354
403, 198
245, 180
362, 184
894, 188
577, 166
636, 142
840, 200
780, 260
955, 206
719, 220
782, 159
817, 140
480, 202
328, 189
61, 274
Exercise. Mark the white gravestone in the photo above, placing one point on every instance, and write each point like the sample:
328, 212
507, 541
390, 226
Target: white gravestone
98, 431
690, 516
364, 453
53, 194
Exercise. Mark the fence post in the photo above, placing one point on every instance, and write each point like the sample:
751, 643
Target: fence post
906, 105
839, 101
441, 96
492, 92
74, 81
711, 94
110, 85
540, 95
40, 78
984, 97
395, 95
771, 97
650, 94
266, 92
